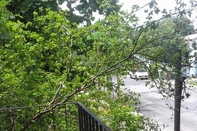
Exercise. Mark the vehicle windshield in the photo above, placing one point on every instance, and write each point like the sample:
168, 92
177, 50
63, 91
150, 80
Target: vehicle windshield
141, 70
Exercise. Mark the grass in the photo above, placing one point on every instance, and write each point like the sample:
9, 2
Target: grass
193, 83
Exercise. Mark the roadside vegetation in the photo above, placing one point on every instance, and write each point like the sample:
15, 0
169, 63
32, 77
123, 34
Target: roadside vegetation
191, 82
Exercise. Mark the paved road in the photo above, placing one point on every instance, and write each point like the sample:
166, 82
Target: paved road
153, 106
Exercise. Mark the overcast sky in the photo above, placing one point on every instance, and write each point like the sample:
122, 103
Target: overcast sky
162, 4
168, 4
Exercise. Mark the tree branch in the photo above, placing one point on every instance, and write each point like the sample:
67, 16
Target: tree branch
55, 96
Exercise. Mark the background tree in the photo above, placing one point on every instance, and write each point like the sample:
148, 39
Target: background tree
170, 29
77, 10
4, 14
183, 25
175, 53
23, 9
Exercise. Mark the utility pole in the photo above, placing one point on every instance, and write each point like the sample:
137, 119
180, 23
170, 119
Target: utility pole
178, 93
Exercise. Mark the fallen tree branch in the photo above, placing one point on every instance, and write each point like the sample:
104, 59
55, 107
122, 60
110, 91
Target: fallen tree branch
86, 85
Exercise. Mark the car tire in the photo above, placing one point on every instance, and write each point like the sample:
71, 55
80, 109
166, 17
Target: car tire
130, 76
135, 77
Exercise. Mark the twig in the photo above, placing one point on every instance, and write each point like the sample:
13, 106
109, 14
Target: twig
55, 96
66, 29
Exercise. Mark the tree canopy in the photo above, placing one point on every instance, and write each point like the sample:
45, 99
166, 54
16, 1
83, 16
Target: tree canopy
77, 10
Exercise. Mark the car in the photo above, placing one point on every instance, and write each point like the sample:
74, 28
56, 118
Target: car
139, 74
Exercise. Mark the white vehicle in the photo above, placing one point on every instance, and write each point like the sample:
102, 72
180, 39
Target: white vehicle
140, 74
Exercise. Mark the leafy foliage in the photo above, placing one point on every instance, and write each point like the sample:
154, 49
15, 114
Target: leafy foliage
23, 9
46, 67
4, 37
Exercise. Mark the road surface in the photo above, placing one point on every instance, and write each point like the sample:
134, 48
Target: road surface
154, 106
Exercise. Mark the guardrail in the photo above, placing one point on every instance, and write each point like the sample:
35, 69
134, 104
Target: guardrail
88, 121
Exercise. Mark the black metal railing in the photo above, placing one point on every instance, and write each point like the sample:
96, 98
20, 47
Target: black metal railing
88, 121
64, 117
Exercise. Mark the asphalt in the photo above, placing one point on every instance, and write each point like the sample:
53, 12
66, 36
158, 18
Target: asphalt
158, 108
